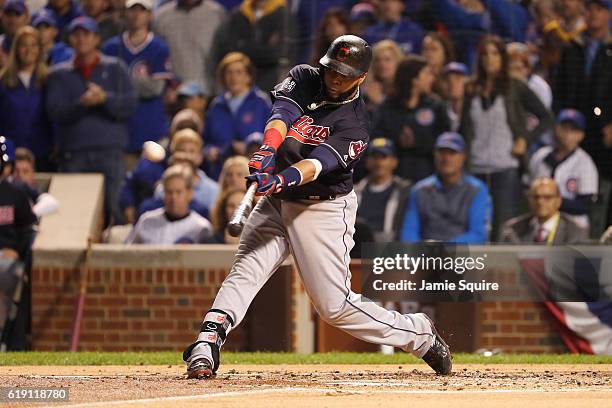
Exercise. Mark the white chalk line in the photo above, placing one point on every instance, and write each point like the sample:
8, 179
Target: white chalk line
319, 391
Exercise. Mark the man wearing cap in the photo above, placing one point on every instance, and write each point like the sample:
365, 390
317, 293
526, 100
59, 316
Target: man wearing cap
91, 98
449, 205
455, 77
192, 95
108, 25
64, 12
56, 51
570, 166
14, 16
148, 59
382, 196
583, 80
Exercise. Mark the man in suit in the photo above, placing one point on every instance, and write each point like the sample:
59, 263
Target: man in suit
545, 224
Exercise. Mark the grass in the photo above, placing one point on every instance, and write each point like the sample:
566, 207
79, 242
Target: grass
172, 358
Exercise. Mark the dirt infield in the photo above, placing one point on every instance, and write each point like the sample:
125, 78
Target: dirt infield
297, 386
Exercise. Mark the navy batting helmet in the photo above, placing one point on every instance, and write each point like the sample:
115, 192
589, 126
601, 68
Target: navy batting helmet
348, 55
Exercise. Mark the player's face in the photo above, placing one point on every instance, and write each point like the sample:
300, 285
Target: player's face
177, 197
233, 177
448, 162
433, 51
491, 59
544, 199
137, 17
28, 51
237, 78
337, 84
24, 172
568, 136
84, 42
385, 65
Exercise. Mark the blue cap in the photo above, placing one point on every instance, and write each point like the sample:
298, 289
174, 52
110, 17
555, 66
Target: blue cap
44, 16
84, 23
451, 140
17, 6
603, 3
191, 88
457, 68
572, 116
382, 146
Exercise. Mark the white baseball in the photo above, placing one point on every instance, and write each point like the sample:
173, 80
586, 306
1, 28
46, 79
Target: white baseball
153, 151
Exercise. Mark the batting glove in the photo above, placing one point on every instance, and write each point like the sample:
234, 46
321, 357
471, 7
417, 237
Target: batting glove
267, 184
263, 160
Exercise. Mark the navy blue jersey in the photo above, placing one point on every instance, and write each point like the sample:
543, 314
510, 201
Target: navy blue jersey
342, 127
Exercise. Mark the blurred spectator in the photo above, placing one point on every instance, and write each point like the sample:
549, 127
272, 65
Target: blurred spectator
192, 95
188, 27
382, 196
253, 143
235, 169
147, 57
22, 106
222, 212
545, 224
24, 173
520, 66
186, 146
468, 20
240, 110
450, 205
494, 124
333, 24
438, 50
455, 77
570, 166
362, 16
412, 119
257, 29
64, 12
91, 99
99, 11
583, 80
175, 223
386, 56
54, 51
392, 25
15, 15
229, 4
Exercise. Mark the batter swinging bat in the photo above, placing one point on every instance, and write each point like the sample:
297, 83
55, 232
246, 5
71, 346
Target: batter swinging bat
242, 212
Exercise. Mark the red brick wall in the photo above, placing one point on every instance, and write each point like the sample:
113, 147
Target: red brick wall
125, 309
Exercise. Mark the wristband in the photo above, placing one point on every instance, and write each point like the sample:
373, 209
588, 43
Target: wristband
272, 138
290, 177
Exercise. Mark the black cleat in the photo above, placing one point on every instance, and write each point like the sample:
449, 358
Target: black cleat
200, 369
439, 355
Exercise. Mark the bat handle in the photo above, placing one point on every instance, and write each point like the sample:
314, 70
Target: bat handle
240, 214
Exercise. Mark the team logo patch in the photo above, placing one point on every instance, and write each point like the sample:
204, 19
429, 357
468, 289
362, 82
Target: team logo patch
355, 148
425, 117
571, 185
288, 85
343, 53
247, 117
140, 69
305, 131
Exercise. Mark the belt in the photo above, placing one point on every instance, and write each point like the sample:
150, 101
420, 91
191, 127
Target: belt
330, 197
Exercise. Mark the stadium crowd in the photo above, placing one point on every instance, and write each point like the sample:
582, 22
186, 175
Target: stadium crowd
481, 110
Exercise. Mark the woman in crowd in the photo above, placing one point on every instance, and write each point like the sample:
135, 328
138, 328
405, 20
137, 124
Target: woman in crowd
438, 50
386, 56
412, 118
240, 110
335, 22
234, 170
222, 213
494, 124
22, 94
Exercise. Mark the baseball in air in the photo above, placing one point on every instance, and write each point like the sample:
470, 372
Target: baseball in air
153, 151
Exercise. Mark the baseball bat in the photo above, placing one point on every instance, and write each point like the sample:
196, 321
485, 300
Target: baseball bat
80, 305
242, 212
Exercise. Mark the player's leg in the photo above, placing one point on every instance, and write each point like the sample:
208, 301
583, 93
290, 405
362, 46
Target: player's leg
321, 239
262, 249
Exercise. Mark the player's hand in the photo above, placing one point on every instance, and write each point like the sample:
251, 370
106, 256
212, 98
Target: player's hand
267, 184
263, 160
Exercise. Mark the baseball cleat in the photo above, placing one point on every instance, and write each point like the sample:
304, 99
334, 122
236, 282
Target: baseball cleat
200, 369
439, 355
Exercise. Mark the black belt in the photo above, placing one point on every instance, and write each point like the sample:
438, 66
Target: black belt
313, 197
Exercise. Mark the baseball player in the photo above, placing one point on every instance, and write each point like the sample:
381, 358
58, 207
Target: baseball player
317, 131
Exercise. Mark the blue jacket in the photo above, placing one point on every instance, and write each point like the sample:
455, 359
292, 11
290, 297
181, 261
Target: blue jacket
60, 52
461, 214
407, 34
99, 127
23, 118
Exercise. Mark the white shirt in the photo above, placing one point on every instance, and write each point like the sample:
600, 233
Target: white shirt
154, 227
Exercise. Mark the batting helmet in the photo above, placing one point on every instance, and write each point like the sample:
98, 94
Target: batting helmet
348, 55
